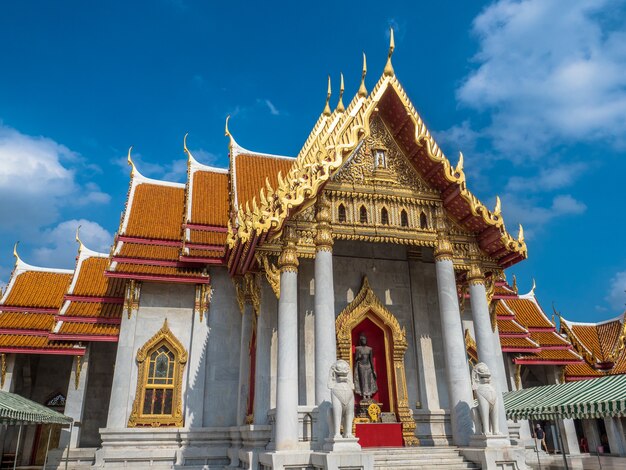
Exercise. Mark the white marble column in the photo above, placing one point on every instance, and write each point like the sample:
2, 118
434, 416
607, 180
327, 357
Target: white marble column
286, 427
325, 336
75, 401
194, 401
120, 404
485, 341
457, 371
592, 433
263, 359
615, 434
244, 361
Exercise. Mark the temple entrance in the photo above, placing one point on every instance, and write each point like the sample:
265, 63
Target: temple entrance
371, 340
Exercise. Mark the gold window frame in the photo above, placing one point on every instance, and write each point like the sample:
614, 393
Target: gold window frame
137, 418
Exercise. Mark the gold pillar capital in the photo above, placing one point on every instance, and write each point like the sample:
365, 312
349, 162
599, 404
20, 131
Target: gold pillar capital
323, 237
288, 259
443, 249
475, 274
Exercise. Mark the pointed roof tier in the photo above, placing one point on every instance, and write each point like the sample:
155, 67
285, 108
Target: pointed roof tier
27, 309
330, 145
149, 241
524, 328
92, 307
206, 212
600, 344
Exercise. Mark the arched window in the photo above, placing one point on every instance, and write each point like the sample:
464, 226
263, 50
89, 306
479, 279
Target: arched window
160, 365
423, 221
341, 213
384, 216
363, 215
404, 218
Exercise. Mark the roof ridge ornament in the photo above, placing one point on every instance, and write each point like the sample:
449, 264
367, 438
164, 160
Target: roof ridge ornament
133, 168
392, 45
362, 89
328, 93
227, 131
17, 256
80, 243
340, 107
520, 234
497, 211
190, 158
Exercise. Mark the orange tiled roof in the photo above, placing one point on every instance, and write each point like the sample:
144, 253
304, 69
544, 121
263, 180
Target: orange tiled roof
158, 270
251, 171
210, 201
520, 342
91, 281
207, 238
156, 212
95, 329
32, 342
502, 311
26, 321
94, 309
528, 313
38, 289
155, 252
196, 253
510, 327
549, 338
598, 339
581, 370
554, 355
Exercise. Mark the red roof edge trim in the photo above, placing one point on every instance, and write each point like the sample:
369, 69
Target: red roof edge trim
98, 320
144, 277
149, 262
514, 335
541, 329
18, 331
104, 338
86, 299
189, 259
148, 241
548, 362
554, 347
206, 228
199, 246
520, 349
56, 352
8, 308
575, 378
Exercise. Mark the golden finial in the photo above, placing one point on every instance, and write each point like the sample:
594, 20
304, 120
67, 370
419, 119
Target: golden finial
520, 235
362, 90
340, 107
532, 290
327, 107
80, 244
459, 165
133, 168
226, 131
498, 209
185, 149
514, 286
392, 45
17, 257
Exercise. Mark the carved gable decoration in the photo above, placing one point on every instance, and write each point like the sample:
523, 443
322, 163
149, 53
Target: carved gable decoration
380, 159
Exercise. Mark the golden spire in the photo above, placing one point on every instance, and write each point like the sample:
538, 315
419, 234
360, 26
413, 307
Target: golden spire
340, 107
392, 44
185, 149
327, 107
133, 168
80, 244
498, 209
362, 90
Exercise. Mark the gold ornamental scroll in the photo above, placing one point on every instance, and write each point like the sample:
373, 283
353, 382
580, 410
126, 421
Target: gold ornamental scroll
367, 305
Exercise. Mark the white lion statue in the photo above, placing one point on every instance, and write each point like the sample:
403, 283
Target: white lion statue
342, 398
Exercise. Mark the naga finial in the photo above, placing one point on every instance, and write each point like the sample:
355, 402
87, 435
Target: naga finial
498, 209
459, 165
392, 45
340, 107
17, 256
520, 235
80, 244
133, 168
328, 93
362, 90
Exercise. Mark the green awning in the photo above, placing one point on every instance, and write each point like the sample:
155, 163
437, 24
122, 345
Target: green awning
593, 398
15, 409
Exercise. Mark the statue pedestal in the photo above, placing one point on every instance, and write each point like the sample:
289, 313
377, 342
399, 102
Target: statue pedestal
482, 441
342, 444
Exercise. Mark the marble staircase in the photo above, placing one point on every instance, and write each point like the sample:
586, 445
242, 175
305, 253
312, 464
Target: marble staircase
417, 458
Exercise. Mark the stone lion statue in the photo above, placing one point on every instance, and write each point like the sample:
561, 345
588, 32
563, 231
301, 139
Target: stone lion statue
342, 398
487, 398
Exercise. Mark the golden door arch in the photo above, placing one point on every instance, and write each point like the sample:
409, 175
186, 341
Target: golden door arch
367, 306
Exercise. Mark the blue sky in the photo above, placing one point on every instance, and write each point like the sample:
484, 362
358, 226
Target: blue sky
533, 92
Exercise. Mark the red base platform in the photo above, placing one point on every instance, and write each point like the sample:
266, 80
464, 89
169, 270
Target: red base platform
380, 434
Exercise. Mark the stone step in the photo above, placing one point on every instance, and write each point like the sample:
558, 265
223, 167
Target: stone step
420, 458
461, 466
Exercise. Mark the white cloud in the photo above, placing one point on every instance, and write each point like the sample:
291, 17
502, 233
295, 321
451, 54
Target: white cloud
549, 73
533, 215
617, 292
58, 247
273, 110
175, 170
548, 178
37, 178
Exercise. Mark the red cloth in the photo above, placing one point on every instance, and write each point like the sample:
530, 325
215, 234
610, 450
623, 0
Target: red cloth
379, 434
375, 340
